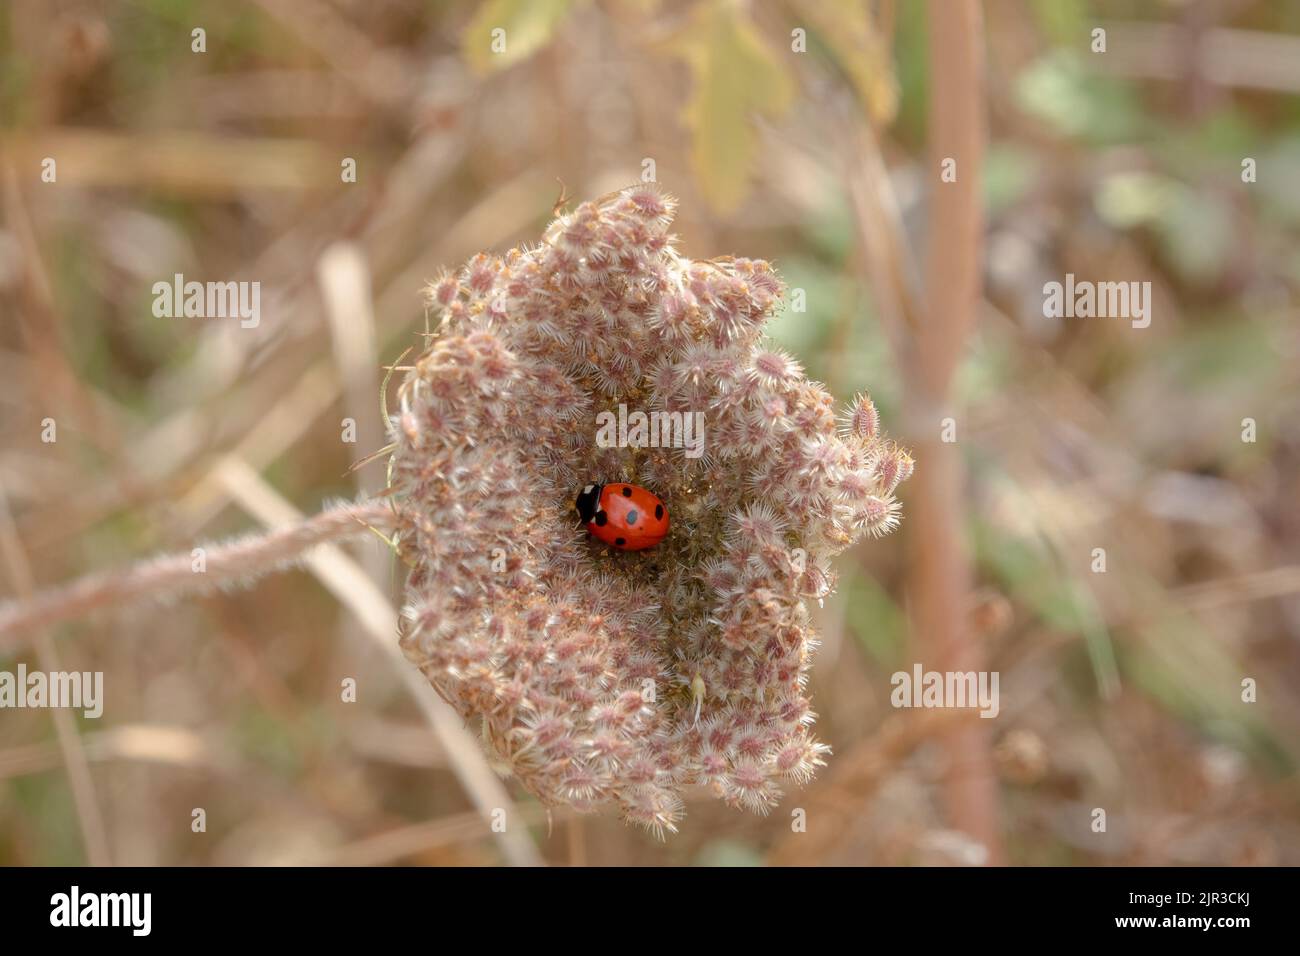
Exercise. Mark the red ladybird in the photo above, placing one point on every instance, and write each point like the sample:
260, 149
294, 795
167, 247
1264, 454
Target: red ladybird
625, 516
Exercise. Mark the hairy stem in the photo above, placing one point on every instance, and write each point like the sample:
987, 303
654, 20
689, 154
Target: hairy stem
232, 563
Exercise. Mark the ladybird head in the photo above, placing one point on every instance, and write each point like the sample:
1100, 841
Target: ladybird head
587, 502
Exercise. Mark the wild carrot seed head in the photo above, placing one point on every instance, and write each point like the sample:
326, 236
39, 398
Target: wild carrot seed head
601, 677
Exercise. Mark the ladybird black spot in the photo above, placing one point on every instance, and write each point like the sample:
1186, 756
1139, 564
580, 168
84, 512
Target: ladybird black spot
631, 517
602, 518
627, 491
659, 512
619, 542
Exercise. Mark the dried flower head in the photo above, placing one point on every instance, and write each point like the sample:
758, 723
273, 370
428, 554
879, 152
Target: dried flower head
598, 675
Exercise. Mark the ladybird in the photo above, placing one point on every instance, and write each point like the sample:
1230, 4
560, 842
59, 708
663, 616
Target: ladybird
625, 516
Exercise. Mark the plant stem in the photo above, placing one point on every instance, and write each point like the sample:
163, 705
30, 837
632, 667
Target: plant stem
940, 572
230, 564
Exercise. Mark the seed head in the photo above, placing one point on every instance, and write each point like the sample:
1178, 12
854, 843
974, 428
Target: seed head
605, 677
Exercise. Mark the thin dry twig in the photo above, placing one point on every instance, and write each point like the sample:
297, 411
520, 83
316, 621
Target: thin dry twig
81, 782
407, 841
344, 278
162, 744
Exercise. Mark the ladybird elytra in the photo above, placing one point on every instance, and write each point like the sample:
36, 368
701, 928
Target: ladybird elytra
623, 515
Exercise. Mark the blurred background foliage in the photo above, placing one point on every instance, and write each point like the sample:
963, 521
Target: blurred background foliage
1119, 690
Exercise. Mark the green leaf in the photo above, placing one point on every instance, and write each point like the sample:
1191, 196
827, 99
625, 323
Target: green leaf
1010, 173
1064, 21
1031, 568
735, 74
874, 619
1058, 89
528, 25
849, 32
728, 853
